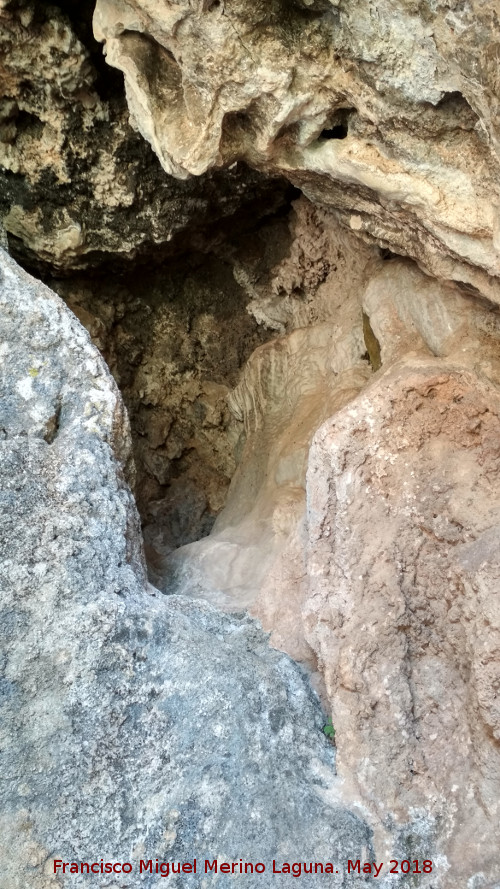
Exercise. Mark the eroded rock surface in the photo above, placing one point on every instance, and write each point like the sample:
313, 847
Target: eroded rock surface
344, 312
376, 570
403, 606
387, 114
77, 184
133, 726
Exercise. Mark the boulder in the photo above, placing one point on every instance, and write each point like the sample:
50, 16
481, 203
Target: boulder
134, 727
403, 609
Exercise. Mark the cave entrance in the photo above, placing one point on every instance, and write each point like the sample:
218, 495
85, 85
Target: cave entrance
175, 333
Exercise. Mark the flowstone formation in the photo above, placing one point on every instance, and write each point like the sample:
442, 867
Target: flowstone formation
311, 376
134, 728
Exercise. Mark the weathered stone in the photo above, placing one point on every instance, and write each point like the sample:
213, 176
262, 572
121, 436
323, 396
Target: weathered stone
176, 337
133, 727
346, 303
403, 609
385, 115
77, 184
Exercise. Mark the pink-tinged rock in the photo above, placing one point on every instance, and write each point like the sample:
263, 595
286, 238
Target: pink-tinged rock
403, 608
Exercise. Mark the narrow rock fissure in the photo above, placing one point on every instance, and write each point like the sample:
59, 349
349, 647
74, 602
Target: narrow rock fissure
372, 344
53, 423
176, 334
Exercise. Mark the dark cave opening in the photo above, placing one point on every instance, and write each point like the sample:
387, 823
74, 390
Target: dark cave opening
337, 132
175, 333
338, 126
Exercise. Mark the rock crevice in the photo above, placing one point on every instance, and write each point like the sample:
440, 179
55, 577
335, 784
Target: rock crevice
280, 225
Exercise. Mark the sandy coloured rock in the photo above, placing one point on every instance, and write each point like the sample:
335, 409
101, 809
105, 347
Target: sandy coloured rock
387, 114
402, 606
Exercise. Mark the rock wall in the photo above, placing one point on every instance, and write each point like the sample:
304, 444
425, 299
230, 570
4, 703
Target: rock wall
386, 113
367, 555
111, 747
289, 386
316, 376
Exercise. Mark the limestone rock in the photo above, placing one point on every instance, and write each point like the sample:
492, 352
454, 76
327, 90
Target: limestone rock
388, 115
403, 607
133, 727
288, 387
176, 338
382, 577
77, 184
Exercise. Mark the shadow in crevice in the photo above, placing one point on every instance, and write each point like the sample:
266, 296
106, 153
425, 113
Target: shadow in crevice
338, 126
372, 344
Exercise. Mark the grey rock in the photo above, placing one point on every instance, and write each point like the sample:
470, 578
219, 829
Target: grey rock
133, 726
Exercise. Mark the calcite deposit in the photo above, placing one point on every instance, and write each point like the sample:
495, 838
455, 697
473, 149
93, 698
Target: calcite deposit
388, 113
279, 222
77, 185
289, 386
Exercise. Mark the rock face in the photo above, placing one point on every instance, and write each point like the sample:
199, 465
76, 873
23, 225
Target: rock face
376, 570
403, 607
343, 313
77, 185
386, 115
111, 745
336, 358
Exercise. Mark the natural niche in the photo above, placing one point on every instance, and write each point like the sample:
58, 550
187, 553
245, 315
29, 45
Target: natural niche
250, 435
